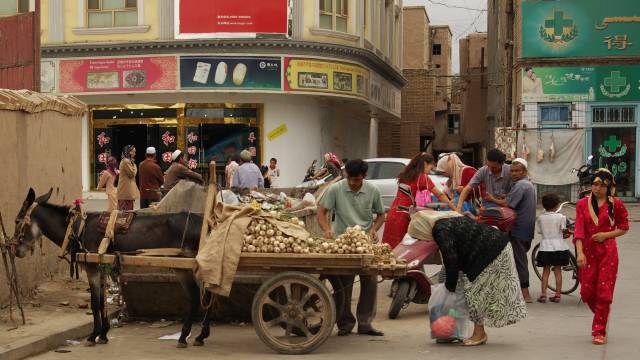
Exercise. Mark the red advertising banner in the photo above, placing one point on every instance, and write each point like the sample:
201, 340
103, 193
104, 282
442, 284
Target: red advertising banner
225, 18
118, 74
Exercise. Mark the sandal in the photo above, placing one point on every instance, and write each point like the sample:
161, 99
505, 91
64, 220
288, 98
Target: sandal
555, 298
542, 299
599, 340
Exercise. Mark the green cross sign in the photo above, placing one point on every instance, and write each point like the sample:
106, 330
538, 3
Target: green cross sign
615, 82
558, 23
612, 143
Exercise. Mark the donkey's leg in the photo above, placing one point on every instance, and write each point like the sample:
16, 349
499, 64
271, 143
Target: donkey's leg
103, 311
193, 295
94, 285
199, 341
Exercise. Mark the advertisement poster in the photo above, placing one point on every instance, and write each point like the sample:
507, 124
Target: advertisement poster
201, 19
118, 74
237, 73
325, 76
566, 28
600, 83
192, 144
102, 149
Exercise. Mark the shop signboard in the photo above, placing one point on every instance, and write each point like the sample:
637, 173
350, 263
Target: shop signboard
568, 84
118, 74
383, 94
614, 148
579, 28
230, 73
102, 150
312, 75
167, 144
207, 19
192, 146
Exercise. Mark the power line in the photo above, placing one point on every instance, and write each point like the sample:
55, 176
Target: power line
456, 6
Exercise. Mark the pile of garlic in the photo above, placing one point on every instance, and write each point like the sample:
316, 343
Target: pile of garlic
353, 241
263, 237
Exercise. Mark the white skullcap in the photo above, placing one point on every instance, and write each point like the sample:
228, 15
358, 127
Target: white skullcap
521, 161
151, 150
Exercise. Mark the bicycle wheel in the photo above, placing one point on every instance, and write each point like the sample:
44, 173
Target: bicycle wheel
570, 281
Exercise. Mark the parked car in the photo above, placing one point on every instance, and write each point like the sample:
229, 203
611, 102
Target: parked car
383, 173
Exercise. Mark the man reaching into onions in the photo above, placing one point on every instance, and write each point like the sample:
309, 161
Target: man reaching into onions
354, 201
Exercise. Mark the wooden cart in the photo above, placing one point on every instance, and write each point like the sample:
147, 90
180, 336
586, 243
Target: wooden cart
293, 311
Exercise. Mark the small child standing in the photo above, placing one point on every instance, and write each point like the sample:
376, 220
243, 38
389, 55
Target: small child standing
554, 251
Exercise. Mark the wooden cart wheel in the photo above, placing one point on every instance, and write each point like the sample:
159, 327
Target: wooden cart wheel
293, 313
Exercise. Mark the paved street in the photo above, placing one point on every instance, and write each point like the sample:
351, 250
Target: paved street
551, 331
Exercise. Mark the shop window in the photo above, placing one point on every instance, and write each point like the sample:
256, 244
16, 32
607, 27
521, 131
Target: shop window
614, 114
436, 49
12, 7
614, 148
453, 127
112, 13
555, 114
334, 15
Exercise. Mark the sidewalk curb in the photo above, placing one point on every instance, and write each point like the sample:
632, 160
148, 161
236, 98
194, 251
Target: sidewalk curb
38, 344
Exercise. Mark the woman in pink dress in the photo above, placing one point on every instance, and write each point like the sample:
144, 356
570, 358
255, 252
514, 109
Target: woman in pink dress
412, 180
600, 218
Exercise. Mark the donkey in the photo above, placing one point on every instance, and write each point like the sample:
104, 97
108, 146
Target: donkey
147, 231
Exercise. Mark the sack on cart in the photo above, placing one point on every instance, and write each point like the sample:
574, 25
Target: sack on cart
448, 313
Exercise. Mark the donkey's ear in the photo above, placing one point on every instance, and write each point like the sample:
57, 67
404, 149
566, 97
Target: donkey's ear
31, 196
44, 198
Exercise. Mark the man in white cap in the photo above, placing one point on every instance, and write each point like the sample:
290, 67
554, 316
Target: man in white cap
522, 199
179, 171
248, 175
151, 179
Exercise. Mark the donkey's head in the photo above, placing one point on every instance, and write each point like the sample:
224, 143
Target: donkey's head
27, 231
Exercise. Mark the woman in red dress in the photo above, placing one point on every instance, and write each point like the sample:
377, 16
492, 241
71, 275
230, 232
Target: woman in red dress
600, 218
413, 179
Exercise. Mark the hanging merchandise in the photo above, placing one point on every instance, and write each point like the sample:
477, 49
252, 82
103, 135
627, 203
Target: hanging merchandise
506, 141
552, 149
525, 148
540, 156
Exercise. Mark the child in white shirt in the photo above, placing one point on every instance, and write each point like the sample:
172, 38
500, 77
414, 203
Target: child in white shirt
554, 251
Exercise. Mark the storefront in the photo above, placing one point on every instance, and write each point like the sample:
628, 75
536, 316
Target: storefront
293, 108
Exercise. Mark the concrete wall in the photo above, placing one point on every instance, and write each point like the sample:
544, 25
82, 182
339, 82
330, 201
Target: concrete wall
441, 34
474, 126
416, 45
40, 150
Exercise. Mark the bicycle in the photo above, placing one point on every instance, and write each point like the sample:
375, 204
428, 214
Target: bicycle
570, 277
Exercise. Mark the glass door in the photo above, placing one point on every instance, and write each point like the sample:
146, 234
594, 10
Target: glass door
614, 148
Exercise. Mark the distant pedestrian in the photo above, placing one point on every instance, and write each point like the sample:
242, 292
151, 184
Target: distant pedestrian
179, 171
151, 179
248, 175
108, 180
127, 189
233, 162
554, 251
600, 219
274, 173
265, 175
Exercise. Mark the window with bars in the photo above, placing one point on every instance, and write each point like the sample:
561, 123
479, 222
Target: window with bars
334, 15
614, 114
555, 114
12, 7
436, 49
112, 13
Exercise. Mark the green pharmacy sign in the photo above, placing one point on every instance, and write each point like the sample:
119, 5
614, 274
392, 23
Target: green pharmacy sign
601, 83
580, 28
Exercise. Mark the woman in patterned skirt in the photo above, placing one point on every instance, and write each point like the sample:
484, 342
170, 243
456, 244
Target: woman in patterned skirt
484, 256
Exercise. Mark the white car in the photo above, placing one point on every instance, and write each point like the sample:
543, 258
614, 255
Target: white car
383, 172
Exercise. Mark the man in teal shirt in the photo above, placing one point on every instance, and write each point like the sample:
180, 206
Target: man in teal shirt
354, 202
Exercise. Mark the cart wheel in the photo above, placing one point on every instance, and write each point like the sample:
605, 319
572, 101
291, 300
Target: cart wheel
298, 322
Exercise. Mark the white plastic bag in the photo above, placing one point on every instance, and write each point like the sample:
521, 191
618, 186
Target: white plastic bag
448, 313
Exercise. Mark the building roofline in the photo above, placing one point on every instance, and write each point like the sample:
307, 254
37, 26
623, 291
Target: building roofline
222, 47
442, 27
418, 7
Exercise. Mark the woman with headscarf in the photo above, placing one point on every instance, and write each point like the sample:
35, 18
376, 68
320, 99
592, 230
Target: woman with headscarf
413, 179
600, 218
127, 189
108, 180
483, 254
459, 174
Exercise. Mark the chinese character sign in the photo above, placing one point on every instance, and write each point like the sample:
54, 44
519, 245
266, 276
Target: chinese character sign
564, 28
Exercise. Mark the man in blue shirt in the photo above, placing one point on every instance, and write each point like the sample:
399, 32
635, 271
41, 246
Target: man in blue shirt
522, 199
248, 175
